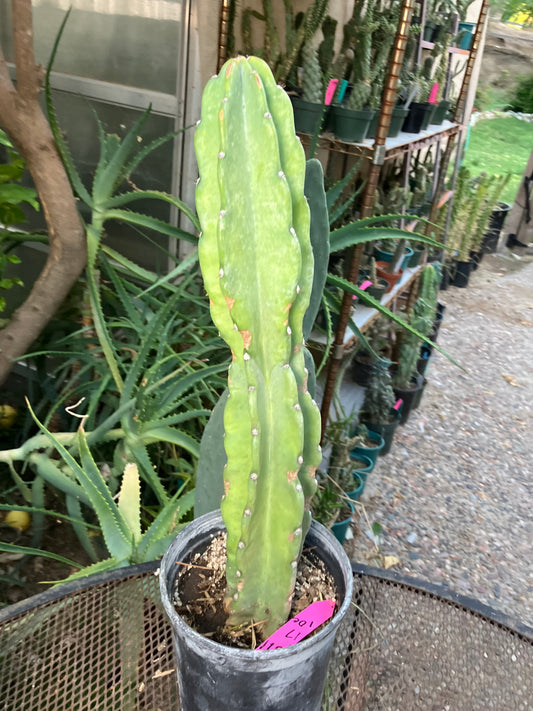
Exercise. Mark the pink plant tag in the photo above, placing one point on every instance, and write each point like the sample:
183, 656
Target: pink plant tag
399, 403
300, 626
433, 94
365, 285
330, 91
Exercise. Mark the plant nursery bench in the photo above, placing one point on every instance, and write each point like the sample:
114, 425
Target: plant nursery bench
103, 643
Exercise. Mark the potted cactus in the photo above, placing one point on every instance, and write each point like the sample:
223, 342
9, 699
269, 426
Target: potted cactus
407, 382
309, 110
257, 261
378, 412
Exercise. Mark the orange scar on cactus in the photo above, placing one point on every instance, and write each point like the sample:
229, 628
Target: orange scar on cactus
291, 476
226, 486
247, 338
229, 302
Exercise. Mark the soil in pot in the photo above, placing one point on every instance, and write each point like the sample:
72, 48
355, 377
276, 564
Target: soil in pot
200, 587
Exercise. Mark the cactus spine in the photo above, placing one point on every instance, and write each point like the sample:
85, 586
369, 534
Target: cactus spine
257, 263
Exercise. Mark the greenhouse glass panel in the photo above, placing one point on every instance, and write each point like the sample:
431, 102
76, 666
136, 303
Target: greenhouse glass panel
132, 42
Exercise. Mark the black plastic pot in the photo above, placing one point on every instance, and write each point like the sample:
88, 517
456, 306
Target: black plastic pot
363, 367
408, 396
418, 117
475, 258
490, 240
212, 676
446, 277
418, 395
461, 275
377, 290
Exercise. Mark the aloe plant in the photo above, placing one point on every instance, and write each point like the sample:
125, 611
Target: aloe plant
119, 516
257, 261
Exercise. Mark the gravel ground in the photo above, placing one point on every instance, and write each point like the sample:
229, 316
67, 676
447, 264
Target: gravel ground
453, 497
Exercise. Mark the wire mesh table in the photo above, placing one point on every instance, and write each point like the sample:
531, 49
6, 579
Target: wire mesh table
104, 643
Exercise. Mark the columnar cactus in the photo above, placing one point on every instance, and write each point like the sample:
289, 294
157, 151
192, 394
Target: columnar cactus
257, 262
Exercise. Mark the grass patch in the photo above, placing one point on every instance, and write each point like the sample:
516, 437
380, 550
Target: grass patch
500, 146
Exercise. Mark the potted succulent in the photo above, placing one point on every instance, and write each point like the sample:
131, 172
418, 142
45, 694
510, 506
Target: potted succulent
257, 261
406, 380
309, 110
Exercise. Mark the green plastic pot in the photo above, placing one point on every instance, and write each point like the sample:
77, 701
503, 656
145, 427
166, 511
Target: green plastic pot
349, 125
418, 251
307, 115
340, 528
440, 112
370, 452
385, 429
395, 126
366, 467
359, 483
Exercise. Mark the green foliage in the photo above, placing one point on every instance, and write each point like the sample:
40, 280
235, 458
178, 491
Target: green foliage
497, 147
299, 29
421, 318
523, 98
515, 10
119, 516
13, 195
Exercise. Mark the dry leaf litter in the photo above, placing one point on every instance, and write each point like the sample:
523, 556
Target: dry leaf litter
454, 496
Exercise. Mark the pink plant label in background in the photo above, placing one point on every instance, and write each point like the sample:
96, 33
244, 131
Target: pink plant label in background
300, 626
398, 404
365, 285
330, 92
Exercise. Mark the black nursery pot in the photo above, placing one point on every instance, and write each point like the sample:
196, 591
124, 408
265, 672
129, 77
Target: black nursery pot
418, 117
212, 676
462, 274
409, 396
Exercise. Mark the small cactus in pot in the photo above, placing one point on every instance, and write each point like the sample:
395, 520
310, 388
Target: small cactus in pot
257, 262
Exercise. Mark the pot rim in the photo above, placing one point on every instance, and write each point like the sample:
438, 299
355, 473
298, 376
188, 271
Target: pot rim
215, 523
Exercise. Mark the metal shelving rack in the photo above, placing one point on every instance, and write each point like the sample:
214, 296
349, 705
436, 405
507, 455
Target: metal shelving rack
382, 149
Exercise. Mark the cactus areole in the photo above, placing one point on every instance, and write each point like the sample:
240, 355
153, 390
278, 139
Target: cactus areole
257, 263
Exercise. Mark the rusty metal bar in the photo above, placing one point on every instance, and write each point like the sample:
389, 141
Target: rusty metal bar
223, 29
367, 208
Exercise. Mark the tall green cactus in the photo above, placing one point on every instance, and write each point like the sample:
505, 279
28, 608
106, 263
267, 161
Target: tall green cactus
257, 263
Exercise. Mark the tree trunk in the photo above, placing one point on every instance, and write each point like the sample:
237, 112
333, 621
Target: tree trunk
23, 120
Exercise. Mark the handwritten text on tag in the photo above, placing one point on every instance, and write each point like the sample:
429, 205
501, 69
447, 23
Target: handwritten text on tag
300, 626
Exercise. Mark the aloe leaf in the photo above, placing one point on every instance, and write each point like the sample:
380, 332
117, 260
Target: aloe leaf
129, 500
54, 476
136, 451
132, 196
165, 526
80, 527
100, 567
370, 301
353, 234
336, 190
26, 550
163, 433
182, 267
211, 460
151, 223
63, 149
108, 179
